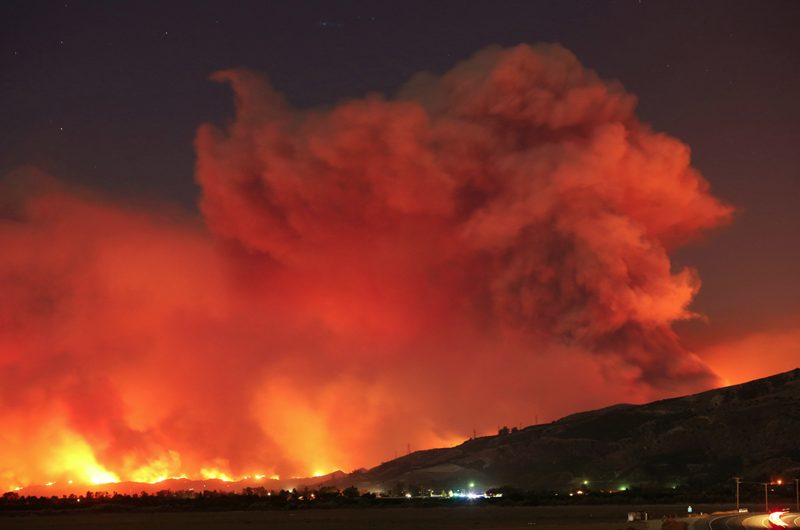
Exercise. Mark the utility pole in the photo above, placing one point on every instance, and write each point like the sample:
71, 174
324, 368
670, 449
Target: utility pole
737, 479
409, 448
797, 493
766, 496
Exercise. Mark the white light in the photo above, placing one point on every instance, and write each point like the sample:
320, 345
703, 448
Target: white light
775, 519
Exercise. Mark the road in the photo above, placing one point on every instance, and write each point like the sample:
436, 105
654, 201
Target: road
744, 520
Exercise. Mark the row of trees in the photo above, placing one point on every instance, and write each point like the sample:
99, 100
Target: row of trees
248, 498
330, 497
505, 430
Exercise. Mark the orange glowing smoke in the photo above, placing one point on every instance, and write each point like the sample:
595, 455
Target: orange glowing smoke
741, 355
490, 246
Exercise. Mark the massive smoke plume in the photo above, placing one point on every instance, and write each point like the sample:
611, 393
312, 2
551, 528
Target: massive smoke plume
488, 247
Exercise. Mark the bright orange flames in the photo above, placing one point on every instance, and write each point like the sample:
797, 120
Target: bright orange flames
64, 458
215, 473
98, 476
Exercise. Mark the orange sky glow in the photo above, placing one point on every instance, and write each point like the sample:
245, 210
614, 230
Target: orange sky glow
488, 248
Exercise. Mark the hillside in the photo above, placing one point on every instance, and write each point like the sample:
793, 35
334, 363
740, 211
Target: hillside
750, 430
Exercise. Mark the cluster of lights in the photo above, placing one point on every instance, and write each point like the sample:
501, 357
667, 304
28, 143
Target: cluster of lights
472, 495
580, 492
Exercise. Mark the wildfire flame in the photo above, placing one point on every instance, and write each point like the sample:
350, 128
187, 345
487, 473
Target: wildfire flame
214, 473
99, 476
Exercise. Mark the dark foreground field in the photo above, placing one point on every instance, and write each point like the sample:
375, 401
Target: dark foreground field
579, 517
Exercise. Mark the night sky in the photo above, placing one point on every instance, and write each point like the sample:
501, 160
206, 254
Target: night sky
108, 97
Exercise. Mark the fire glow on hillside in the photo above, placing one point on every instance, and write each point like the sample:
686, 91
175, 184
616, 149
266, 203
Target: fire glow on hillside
497, 236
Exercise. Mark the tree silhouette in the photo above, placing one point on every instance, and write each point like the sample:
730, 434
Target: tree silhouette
351, 492
399, 489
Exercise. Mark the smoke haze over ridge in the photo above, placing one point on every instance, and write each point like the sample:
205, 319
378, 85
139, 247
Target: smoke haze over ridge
491, 245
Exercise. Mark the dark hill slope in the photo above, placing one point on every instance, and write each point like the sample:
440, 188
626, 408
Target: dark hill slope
750, 430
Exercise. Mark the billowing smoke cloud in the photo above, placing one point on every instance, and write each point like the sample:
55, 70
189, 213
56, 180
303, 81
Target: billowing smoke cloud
488, 247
